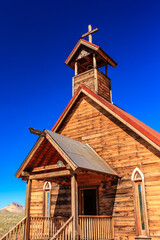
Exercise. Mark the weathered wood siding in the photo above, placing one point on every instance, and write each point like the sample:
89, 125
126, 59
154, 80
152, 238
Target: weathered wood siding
106, 196
90, 79
104, 86
36, 203
124, 150
60, 199
86, 78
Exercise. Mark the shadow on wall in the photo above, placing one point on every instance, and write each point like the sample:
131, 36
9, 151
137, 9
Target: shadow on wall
107, 197
61, 201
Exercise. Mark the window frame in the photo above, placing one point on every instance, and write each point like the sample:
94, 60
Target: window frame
138, 215
46, 189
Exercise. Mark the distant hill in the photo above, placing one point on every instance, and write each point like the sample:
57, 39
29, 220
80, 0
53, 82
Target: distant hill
13, 208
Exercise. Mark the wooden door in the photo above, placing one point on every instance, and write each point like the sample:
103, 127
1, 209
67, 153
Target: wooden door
88, 201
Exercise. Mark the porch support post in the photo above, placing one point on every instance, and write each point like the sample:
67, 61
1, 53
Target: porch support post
27, 208
74, 202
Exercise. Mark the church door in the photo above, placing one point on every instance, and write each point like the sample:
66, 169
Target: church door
88, 204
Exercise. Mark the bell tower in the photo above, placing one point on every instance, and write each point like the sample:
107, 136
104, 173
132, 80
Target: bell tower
85, 59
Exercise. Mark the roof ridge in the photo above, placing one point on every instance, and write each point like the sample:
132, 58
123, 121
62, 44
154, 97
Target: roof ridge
137, 119
138, 126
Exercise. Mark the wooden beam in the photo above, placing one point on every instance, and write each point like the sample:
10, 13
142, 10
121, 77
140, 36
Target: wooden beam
53, 156
76, 68
24, 178
88, 59
74, 202
43, 154
49, 167
37, 132
50, 174
25, 174
28, 196
90, 32
68, 167
111, 96
95, 72
94, 60
27, 208
80, 65
82, 171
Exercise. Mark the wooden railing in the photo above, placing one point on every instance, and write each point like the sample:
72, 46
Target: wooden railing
45, 227
59, 228
96, 227
16, 233
65, 232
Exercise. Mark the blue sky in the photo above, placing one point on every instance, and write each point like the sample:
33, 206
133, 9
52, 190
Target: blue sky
35, 39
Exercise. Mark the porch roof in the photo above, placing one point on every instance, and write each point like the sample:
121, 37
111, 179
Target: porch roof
81, 155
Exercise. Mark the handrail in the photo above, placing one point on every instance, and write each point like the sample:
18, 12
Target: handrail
45, 227
19, 233
95, 216
90, 227
62, 228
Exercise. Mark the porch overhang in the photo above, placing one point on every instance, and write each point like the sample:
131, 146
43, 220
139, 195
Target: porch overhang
77, 155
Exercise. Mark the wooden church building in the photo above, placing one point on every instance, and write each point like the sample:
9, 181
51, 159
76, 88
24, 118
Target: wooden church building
96, 174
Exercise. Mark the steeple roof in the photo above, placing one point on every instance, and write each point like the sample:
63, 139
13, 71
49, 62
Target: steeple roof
82, 52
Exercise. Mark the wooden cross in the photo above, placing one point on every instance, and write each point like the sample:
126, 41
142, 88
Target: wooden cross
90, 32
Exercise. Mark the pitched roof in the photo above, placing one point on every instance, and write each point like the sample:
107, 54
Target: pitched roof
78, 155
103, 56
81, 155
139, 127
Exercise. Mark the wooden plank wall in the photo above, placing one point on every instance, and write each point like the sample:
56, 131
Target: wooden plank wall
36, 205
124, 150
104, 86
86, 78
60, 200
105, 196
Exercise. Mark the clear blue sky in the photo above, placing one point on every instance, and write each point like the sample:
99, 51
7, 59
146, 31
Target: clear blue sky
35, 39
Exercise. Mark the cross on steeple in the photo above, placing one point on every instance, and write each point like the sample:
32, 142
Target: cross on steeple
90, 32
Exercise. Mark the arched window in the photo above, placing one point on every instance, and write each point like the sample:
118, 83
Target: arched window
47, 199
140, 203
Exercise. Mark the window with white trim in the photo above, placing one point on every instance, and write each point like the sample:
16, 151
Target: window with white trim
46, 199
141, 219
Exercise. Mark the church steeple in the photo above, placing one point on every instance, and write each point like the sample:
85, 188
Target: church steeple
85, 59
